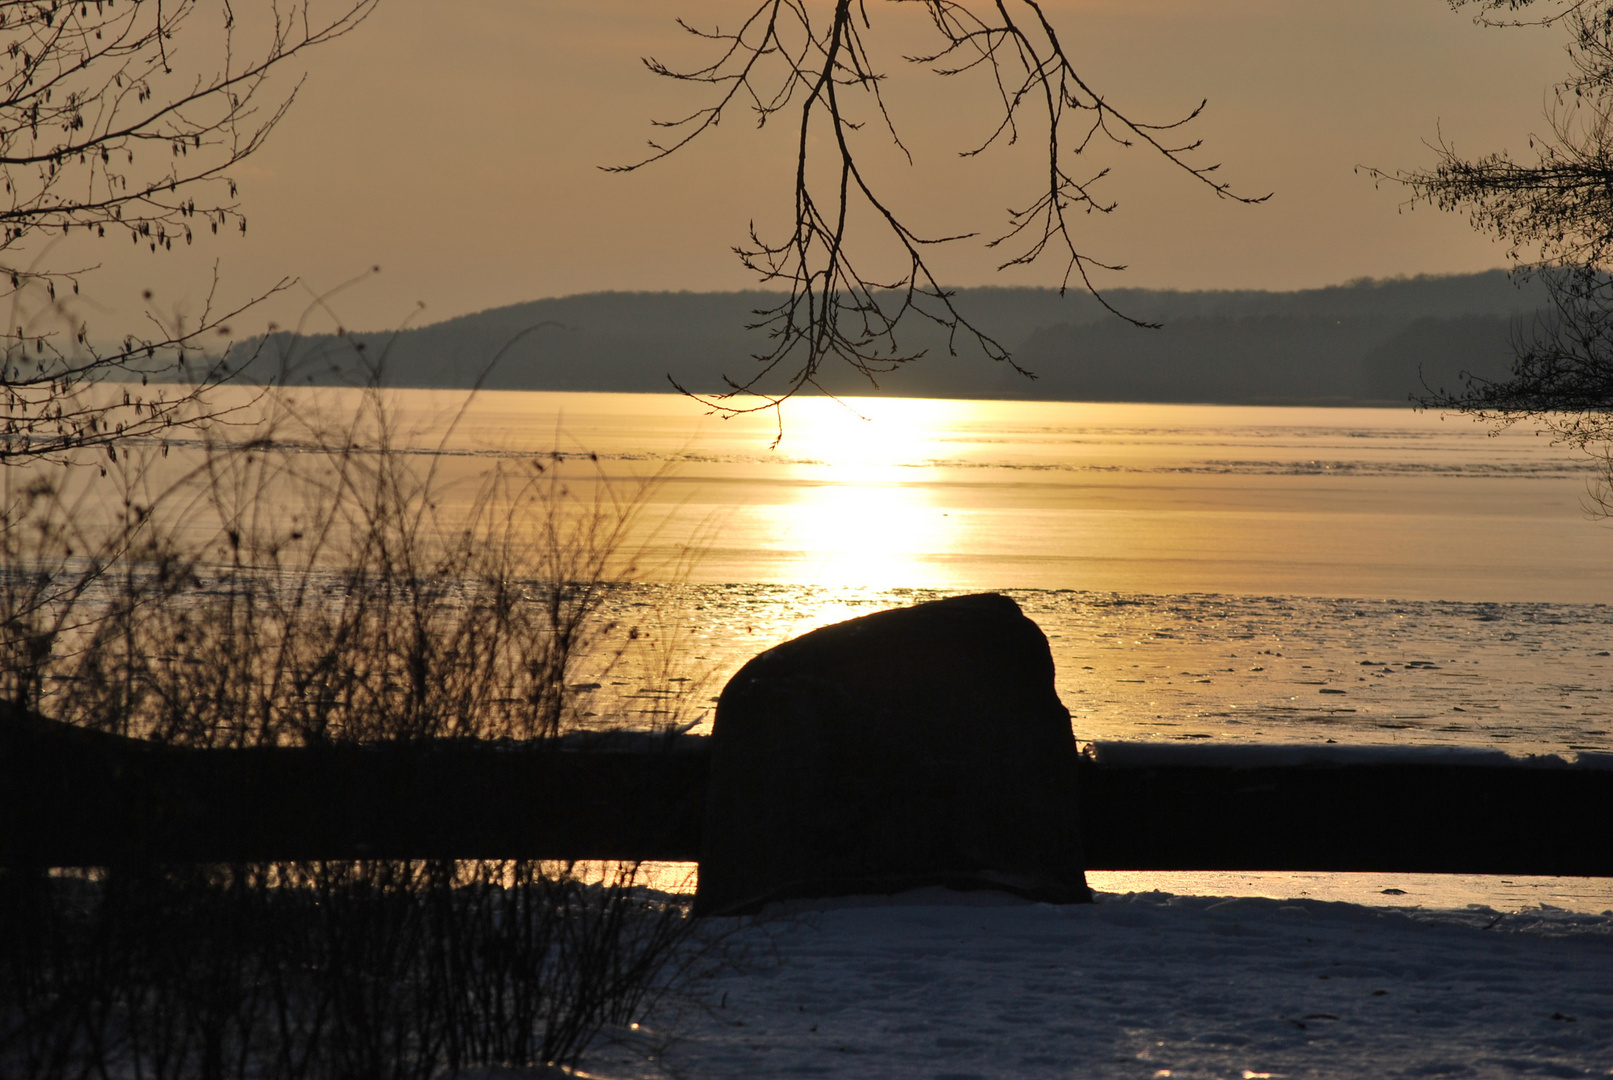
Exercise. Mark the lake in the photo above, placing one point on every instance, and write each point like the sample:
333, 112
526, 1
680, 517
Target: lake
1205, 573
881, 493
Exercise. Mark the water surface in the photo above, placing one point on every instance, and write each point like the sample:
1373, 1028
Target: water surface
1158, 499
1203, 573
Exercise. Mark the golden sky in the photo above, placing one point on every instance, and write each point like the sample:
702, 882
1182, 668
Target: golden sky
458, 147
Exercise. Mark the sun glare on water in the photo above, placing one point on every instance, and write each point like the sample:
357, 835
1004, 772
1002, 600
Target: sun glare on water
860, 515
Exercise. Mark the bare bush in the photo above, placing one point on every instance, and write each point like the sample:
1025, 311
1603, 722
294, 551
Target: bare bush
375, 969
319, 582
308, 586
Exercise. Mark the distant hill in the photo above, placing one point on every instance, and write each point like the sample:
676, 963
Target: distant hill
1366, 341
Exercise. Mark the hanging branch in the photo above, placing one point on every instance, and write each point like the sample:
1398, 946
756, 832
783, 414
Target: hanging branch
782, 57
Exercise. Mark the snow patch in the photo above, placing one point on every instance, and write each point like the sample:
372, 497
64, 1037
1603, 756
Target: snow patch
1290, 755
1154, 984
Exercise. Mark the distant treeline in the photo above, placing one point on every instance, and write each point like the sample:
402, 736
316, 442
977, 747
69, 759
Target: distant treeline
1367, 341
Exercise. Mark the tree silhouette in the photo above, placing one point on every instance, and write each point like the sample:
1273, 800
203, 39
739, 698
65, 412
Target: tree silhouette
815, 63
1556, 215
124, 118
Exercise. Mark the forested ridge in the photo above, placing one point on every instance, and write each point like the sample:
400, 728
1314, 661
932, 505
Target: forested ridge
1378, 341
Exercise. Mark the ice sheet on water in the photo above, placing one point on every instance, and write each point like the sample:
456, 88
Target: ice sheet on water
1528, 678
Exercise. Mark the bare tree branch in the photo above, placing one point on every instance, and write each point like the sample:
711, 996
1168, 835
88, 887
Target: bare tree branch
126, 118
1556, 216
816, 59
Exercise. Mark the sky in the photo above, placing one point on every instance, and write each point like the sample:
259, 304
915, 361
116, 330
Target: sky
459, 148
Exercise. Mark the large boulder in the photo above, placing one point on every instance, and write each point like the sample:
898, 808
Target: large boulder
919, 746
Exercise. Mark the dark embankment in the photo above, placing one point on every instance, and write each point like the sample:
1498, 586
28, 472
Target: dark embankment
69, 797
75, 798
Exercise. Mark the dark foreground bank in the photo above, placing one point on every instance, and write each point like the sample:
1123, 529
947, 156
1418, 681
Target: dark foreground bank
69, 797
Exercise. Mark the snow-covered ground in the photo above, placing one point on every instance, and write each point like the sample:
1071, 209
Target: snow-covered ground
946, 986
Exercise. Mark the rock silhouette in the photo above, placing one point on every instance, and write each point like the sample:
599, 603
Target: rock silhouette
919, 746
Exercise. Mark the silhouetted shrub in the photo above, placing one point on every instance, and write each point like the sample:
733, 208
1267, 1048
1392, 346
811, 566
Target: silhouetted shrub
306, 586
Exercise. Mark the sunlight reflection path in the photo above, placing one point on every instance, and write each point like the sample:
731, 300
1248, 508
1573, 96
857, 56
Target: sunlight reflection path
970, 495
860, 517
